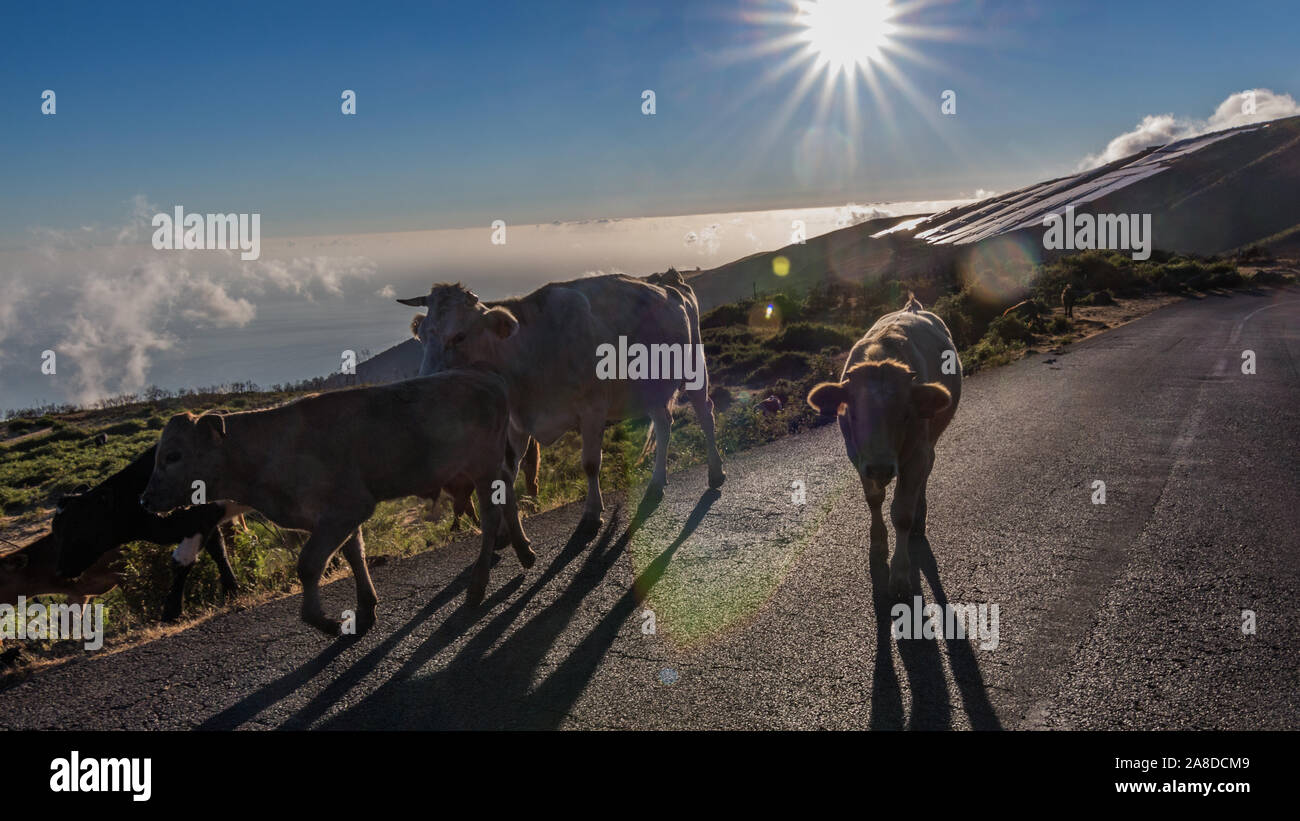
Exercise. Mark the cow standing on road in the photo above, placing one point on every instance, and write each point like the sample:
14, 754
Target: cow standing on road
322, 463
897, 394
546, 346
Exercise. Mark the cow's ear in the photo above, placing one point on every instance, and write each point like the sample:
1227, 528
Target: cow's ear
214, 423
930, 398
502, 322
827, 397
416, 322
416, 301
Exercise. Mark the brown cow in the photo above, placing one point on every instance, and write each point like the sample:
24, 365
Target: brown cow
322, 463
1067, 300
550, 347
898, 392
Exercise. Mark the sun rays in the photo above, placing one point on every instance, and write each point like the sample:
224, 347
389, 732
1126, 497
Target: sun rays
844, 62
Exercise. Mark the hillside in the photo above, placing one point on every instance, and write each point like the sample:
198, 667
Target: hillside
1207, 195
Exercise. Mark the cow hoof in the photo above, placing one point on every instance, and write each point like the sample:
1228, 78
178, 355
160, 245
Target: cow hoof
365, 620
474, 595
589, 526
330, 627
527, 558
716, 478
171, 614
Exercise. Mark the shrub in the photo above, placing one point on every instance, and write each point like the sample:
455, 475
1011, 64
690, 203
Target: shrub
735, 313
788, 365
1010, 329
809, 337
1104, 297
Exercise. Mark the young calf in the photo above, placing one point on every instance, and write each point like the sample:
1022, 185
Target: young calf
32, 570
322, 463
895, 398
88, 526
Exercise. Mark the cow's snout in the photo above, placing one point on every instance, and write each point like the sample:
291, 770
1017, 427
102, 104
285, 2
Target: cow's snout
879, 473
144, 502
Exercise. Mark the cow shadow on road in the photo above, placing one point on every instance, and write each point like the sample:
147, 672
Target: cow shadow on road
457, 624
491, 681
922, 661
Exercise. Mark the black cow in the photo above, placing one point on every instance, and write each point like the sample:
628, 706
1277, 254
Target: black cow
90, 524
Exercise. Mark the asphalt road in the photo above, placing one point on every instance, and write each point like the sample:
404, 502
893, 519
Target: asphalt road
766, 613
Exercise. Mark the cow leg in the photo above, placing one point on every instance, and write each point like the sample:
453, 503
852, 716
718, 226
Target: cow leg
491, 523
174, 602
215, 545
532, 464
663, 424
514, 530
354, 550
875, 494
516, 447
704, 413
183, 559
903, 513
325, 539
593, 429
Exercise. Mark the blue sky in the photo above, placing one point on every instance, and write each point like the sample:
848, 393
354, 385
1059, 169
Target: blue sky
530, 112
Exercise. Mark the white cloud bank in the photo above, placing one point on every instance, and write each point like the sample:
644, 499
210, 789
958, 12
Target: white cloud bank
1242, 108
108, 304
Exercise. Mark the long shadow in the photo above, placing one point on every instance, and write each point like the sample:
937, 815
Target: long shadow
931, 706
455, 625
268, 695
490, 681
961, 656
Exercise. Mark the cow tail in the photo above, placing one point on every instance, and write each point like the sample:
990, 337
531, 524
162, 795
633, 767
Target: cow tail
649, 446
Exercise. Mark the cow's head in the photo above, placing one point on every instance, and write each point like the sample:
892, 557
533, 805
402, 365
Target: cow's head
191, 448
879, 404
459, 330
84, 528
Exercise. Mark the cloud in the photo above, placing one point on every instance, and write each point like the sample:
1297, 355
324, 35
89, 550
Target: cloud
706, 239
1241, 108
108, 303
387, 292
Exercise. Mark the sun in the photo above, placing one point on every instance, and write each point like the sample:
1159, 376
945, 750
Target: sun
846, 34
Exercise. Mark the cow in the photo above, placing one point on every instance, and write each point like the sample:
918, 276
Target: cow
548, 346
1031, 311
461, 488
91, 524
32, 570
1067, 300
897, 394
322, 463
